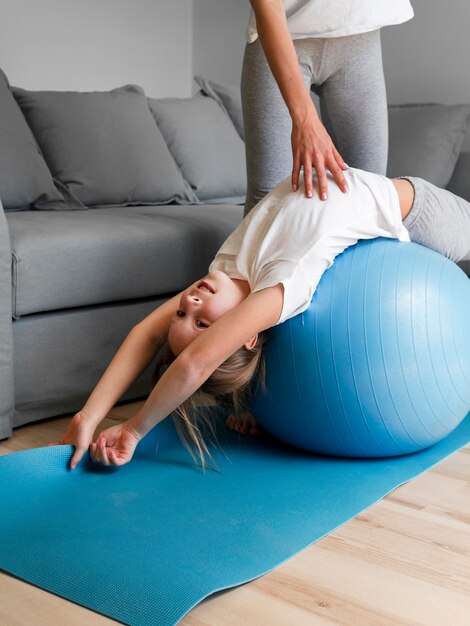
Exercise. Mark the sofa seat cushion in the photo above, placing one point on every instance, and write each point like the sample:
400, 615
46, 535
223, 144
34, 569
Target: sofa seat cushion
76, 258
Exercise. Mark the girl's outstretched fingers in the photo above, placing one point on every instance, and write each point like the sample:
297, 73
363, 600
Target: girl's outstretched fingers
77, 456
114, 446
113, 457
103, 452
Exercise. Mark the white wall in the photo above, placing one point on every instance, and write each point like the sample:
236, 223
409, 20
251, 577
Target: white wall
160, 44
219, 38
426, 59
98, 44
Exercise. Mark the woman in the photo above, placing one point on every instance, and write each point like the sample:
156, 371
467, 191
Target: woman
332, 47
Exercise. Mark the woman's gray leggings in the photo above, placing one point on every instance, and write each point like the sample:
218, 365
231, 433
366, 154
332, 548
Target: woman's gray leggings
347, 75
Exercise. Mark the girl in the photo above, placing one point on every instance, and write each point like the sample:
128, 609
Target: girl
333, 48
211, 334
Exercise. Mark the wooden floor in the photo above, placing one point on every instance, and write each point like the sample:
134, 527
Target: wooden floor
405, 561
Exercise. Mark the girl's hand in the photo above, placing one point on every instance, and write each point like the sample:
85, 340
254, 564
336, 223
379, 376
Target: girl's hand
312, 147
115, 445
79, 434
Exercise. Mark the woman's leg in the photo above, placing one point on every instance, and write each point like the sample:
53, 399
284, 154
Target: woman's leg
353, 100
439, 220
267, 124
267, 127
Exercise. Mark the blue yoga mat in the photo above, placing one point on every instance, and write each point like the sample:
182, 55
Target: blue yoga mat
146, 542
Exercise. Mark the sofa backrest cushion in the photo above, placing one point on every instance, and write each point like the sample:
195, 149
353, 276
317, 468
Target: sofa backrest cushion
425, 140
104, 146
25, 180
460, 180
205, 145
228, 97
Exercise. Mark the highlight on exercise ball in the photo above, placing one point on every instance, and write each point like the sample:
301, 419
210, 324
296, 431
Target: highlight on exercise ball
379, 364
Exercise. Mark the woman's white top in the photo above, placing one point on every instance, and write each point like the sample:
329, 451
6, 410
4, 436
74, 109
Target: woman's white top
290, 239
337, 18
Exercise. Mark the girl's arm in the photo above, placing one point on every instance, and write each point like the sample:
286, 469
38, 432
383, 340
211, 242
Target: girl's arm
311, 144
134, 355
259, 311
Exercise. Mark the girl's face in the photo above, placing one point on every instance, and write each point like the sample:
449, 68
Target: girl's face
200, 306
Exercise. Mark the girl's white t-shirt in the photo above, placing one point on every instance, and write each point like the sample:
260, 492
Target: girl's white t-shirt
290, 239
338, 18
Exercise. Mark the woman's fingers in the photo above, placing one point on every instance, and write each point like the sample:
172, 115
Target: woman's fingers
339, 160
296, 171
308, 178
338, 175
322, 180
312, 148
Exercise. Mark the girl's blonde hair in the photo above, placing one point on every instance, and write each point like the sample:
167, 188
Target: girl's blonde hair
230, 384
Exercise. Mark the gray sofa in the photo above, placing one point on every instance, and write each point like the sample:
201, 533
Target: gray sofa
85, 256
86, 253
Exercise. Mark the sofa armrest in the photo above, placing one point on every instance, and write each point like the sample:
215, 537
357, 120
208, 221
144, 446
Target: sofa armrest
7, 396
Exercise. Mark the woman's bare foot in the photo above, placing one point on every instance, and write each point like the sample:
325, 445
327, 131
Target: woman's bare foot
245, 424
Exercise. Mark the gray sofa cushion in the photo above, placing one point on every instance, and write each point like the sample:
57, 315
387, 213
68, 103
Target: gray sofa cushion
465, 265
425, 140
104, 146
205, 145
60, 356
228, 97
25, 180
75, 258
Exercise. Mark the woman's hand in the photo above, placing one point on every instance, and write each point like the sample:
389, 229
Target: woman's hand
115, 445
311, 145
312, 148
79, 434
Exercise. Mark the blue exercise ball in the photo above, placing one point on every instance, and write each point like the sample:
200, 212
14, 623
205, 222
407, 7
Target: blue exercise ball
379, 364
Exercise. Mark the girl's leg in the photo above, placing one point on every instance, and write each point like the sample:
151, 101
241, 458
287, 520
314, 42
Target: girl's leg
353, 100
439, 220
267, 124
406, 194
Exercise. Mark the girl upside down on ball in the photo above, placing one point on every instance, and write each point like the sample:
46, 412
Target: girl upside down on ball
210, 336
